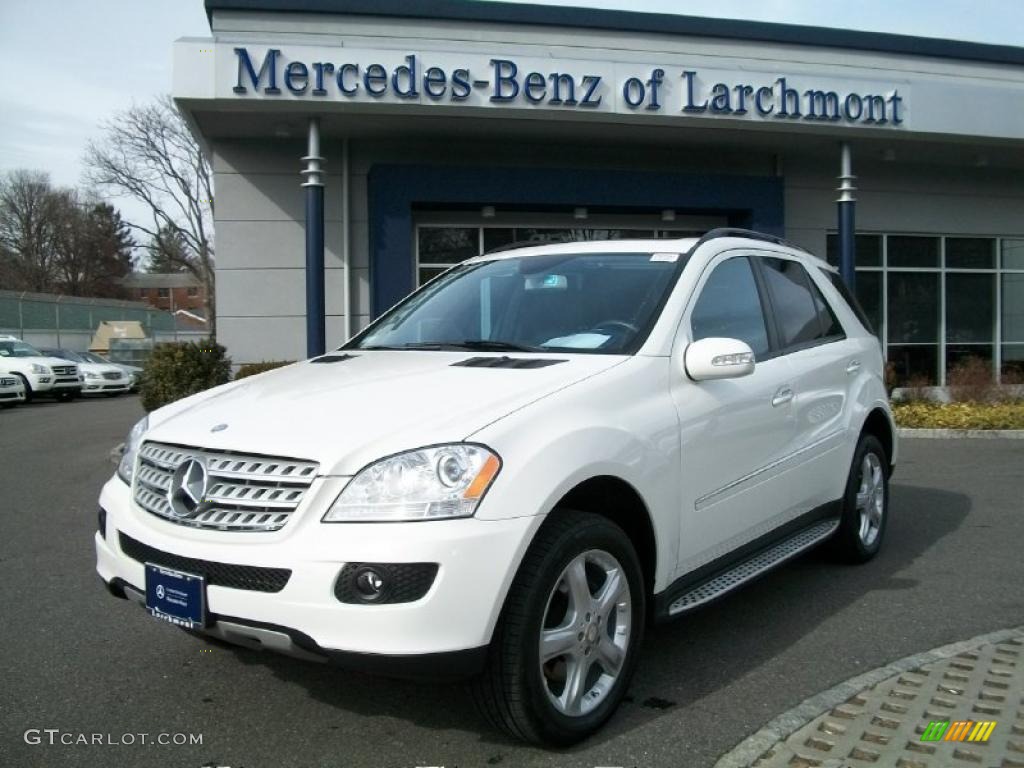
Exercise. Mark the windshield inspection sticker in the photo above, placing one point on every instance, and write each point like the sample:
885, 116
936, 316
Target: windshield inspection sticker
670, 257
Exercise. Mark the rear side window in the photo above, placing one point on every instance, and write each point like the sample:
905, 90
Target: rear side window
826, 317
850, 299
729, 306
796, 313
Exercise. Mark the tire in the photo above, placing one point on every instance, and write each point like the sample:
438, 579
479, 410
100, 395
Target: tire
865, 513
533, 703
28, 390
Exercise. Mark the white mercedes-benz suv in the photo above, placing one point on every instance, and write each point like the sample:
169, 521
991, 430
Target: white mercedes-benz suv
513, 471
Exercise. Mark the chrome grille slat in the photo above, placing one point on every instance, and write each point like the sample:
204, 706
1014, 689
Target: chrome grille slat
244, 492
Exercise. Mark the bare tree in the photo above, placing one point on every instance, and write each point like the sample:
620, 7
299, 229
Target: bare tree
28, 229
148, 153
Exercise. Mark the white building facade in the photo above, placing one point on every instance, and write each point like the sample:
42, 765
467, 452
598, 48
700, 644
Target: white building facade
447, 129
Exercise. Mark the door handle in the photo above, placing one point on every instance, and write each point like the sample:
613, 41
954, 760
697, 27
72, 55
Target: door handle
782, 397
853, 367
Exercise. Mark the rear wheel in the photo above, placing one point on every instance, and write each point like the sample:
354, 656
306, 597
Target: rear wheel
566, 644
28, 390
865, 505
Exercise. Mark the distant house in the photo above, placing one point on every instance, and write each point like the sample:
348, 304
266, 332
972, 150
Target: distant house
171, 291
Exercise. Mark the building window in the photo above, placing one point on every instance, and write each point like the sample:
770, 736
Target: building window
193, 291
440, 247
163, 293
937, 301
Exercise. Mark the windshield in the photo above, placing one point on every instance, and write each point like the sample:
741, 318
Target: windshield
594, 302
89, 357
18, 349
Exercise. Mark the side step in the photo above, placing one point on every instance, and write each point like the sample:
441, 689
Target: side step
765, 560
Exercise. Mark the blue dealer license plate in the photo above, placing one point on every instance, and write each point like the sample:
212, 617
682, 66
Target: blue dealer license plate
174, 596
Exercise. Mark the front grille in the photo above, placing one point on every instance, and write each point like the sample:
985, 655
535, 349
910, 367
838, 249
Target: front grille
112, 375
65, 370
244, 492
249, 577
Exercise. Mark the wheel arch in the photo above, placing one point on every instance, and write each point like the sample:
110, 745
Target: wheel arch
879, 423
615, 499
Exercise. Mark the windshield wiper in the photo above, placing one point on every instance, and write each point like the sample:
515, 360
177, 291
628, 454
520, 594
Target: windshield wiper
491, 345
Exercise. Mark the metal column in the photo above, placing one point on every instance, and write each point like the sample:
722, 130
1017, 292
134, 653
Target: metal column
847, 223
315, 304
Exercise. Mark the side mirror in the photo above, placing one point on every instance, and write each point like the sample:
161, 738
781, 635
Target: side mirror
717, 358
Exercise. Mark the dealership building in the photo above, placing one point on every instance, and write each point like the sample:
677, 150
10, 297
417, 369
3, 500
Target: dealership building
360, 147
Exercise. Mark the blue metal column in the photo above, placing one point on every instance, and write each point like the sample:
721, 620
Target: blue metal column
847, 203
316, 334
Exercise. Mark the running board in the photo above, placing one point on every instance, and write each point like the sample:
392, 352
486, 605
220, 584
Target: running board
753, 567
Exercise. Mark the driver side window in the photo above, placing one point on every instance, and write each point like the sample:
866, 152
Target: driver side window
729, 306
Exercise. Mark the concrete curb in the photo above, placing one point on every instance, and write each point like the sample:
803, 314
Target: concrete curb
991, 434
783, 726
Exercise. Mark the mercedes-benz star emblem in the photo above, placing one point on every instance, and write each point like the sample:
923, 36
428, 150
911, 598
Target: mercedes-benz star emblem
188, 487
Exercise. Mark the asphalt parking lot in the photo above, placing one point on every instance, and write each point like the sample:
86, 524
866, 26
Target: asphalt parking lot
78, 660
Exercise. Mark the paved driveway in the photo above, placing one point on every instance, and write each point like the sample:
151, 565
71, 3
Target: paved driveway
78, 660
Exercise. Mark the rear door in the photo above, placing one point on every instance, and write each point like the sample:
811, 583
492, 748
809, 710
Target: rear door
823, 363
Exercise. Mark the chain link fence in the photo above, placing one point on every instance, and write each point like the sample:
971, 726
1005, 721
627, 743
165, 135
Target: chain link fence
69, 322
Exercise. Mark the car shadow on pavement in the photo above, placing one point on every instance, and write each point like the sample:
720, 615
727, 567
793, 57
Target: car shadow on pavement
687, 660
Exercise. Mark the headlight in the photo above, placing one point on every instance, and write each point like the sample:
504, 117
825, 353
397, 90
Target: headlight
440, 482
126, 466
37, 368
91, 375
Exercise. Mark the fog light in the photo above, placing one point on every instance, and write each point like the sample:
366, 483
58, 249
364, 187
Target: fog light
370, 584
384, 583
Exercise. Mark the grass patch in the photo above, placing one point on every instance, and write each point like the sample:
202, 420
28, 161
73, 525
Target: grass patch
925, 415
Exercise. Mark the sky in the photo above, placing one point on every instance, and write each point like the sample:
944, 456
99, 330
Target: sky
70, 64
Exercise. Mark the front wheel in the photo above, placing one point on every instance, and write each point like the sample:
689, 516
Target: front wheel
865, 504
28, 389
566, 643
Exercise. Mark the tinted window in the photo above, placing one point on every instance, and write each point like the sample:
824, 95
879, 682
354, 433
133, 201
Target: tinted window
729, 306
826, 317
868, 284
793, 302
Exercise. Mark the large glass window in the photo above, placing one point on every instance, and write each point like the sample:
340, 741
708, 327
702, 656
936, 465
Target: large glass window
913, 251
730, 307
976, 284
970, 253
439, 247
868, 250
913, 300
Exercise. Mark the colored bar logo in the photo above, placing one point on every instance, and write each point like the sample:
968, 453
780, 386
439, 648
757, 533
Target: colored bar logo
958, 730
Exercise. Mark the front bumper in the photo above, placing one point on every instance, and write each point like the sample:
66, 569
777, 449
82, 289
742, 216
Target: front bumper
454, 620
10, 395
104, 386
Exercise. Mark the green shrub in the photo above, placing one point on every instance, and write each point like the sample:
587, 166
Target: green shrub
174, 371
251, 369
960, 415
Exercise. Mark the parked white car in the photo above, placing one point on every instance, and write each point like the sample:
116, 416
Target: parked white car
97, 378
12, 391
134, 372
40, 375
516, 468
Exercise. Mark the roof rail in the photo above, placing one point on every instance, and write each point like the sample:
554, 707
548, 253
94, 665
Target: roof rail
748, 234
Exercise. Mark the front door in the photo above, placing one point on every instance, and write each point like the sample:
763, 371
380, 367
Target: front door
734, 432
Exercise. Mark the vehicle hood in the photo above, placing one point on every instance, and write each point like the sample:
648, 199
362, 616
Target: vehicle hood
347, 414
